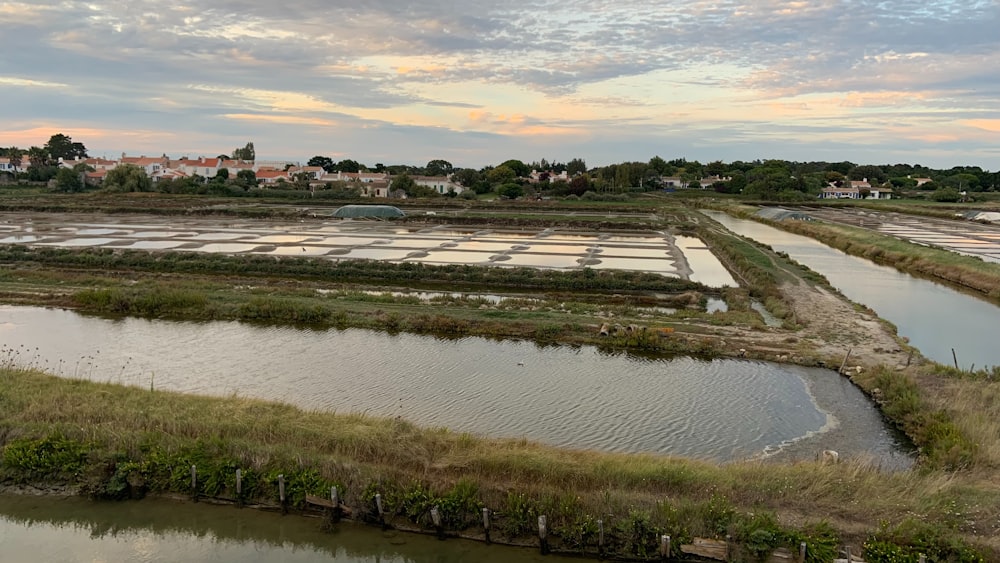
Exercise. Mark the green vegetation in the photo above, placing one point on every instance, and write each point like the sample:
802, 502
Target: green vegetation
117, 442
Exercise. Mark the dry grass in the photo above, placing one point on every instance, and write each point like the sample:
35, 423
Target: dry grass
357, 450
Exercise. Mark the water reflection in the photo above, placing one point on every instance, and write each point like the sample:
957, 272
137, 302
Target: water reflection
74, 530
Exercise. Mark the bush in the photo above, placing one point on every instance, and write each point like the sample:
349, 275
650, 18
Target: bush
52, 456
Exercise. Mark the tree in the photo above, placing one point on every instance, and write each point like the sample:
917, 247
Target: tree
221, 176
37, 157
438, 168
245, 153
62, 146
520, 169
501, 175
467, 177
403, 183
510, 191
324, 162
576, 166
348, 165
15, 155
247, 179
661, 166
68, 180
127, 178
869, 172
949, 195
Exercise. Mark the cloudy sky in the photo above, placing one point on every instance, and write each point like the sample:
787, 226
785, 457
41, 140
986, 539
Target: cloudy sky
477, 82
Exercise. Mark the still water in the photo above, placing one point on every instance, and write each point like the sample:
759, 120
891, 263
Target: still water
934, 317
73, 530
578, 397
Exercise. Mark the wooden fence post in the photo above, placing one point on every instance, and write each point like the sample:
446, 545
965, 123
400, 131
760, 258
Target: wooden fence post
665, 547
600, 538
802, 552
281, 493
239, 488
194, 483
436, 520
543, 533
335, 511
381, 511
486, 523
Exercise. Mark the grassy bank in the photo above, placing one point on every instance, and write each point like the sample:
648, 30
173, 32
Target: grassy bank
115, 442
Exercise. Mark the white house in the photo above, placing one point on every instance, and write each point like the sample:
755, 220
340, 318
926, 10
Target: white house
152, 165
440, 184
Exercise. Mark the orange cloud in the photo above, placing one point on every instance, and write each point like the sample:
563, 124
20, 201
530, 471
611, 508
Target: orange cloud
991, 125
39, 135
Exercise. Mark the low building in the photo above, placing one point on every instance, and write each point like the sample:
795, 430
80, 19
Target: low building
368, 211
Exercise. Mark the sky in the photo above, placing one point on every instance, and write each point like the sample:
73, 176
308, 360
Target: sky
477, 82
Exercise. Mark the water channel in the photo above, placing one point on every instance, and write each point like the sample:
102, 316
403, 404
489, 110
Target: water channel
74, 530
934, 317
580, 397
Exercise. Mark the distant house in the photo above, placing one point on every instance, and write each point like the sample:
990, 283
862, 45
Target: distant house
6, 165
314, 172
234, 166
152, 165
204, 167
921, 181
440, 184
840, 192
855, 190
271, 176
672, 182
96, 177
880, 193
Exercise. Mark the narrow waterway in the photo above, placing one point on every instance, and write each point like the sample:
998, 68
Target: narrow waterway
74, 530
935, 318
580, 397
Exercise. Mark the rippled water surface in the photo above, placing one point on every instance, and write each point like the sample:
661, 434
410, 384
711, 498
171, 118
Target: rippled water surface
566, 396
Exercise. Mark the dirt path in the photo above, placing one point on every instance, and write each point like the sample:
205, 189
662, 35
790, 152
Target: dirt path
832, 325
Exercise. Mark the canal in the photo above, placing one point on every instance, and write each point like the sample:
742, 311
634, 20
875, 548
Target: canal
935, 318
578, 397
75, 530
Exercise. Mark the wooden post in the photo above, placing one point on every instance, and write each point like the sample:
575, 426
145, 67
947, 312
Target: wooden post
239, 488
729, 547
486, 523
194, 483
381, 512
436, 519
543, 533
335, 511
849, 558
665, 547
600, 538
923, 558
844, 363
802, 552
954, 357
281, 493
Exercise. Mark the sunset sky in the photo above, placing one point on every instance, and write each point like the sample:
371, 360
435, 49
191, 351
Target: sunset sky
478, 82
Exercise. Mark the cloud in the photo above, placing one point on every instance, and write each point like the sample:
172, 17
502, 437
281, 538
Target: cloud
574, 72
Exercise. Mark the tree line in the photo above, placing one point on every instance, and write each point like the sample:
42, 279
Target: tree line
758, 179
